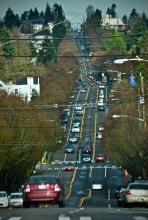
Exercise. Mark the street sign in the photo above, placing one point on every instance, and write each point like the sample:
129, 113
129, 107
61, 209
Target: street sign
141, 100
132, 80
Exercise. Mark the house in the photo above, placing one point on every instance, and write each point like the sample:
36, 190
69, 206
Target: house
109, 23
37, 24
23, 87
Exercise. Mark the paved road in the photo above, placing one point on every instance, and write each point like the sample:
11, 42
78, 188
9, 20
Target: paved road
74, 214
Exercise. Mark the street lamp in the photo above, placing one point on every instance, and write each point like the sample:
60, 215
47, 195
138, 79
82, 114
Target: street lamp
127, 116
141, 88
121, 61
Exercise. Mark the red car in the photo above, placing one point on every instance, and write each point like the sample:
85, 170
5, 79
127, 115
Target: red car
100, 158
43, 190
69, 167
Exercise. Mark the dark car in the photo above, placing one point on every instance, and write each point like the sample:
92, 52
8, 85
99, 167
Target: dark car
64, 118
87, 150
69, 148
43, 190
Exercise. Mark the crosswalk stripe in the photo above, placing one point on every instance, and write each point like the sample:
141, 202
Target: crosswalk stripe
139, 218
15, 218
85, 218
64, 218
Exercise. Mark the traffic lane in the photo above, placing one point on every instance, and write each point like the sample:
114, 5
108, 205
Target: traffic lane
80, 187
55, 213
98, 197
81, 183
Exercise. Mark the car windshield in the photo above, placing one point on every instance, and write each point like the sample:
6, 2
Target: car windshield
42, 179
139, 186
2, 194
16, 196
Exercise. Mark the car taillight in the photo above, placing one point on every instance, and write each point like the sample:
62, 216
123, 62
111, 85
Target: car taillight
57, 188
27, 188
128, 193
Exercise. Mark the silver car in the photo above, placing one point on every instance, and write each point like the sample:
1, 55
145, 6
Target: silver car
136, 192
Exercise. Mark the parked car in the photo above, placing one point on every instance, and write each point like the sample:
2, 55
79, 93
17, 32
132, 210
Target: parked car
4, 202
86, 158
99, 135
64, 117
69, 167
43, 190
69, 148
16, 199
136, 192
100, 158
67, 111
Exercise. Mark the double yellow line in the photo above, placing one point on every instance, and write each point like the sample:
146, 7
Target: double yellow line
84, 198
75, 171
93, 156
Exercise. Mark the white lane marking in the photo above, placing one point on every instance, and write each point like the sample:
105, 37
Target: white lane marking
15, 218
140, 218
105, 172
90, 171
85, 218
63, 218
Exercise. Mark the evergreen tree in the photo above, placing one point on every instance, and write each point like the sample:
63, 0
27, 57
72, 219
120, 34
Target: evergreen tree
11, 20
48, 14
24, 15
113, 12
58, 32
108, 11
42, 14
58, 14
124, 19
47, 53
31, 14
89, 11
36, 13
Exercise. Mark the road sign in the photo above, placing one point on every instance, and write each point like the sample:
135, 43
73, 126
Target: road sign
132, 80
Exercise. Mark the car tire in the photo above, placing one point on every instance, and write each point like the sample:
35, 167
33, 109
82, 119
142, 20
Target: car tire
119, 203
62, 204
26, 205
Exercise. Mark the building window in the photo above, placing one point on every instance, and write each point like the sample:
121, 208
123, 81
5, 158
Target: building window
16, 91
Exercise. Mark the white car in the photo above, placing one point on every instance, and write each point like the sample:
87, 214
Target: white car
75, 128
99, 135
4, 202
100, 128
96, 186
79, 110
16, 199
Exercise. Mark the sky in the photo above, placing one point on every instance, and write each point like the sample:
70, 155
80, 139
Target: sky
75, 10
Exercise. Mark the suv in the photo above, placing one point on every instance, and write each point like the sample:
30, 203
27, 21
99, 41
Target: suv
43, 190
